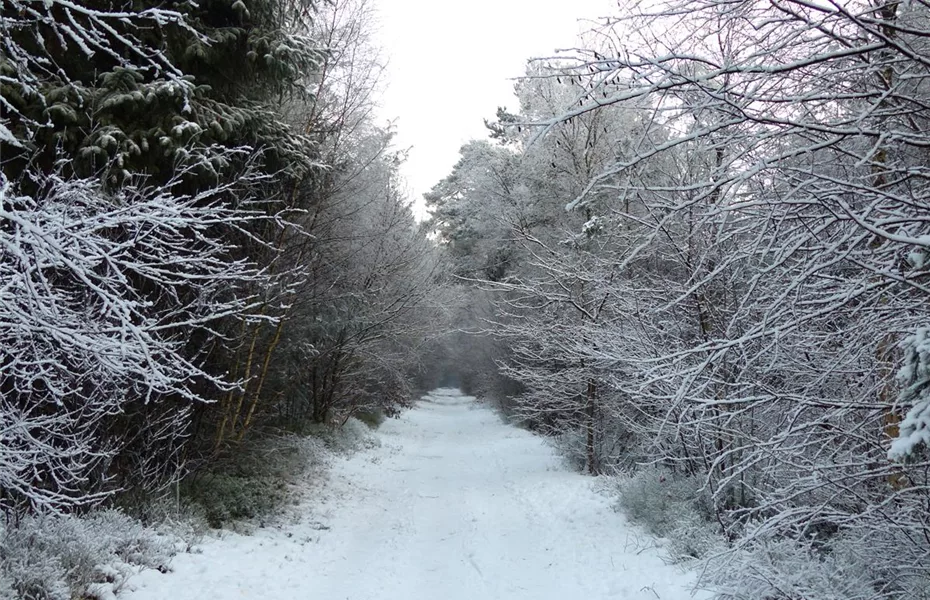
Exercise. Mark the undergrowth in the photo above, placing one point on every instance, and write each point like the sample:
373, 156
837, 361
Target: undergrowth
90, 556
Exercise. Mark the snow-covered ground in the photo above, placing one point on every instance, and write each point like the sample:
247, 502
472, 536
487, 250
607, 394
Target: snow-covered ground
453, 505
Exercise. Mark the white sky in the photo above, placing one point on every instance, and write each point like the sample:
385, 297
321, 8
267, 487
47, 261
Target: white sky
450, 65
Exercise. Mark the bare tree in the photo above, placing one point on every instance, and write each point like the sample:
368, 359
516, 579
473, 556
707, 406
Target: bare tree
101, 293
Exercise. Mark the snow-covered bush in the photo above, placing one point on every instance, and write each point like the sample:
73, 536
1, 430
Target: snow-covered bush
693, 536
6, 586
673, 506
787, 569
612, 444
282, 455
257, 478
848, 565
373, 418
353, 436
101, 293
660, 500
571, 447
227, 497
49, 557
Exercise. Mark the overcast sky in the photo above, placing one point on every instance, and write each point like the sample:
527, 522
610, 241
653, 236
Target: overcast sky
450, 64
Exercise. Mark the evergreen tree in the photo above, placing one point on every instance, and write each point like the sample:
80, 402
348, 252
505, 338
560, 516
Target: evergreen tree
165, 116
150, 89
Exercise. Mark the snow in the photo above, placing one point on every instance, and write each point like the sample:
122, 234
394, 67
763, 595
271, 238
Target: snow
914, 376
7, 137
453, 504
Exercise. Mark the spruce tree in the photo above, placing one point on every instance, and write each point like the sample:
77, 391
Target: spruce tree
151, 88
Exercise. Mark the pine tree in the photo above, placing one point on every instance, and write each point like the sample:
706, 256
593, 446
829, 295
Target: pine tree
151, 89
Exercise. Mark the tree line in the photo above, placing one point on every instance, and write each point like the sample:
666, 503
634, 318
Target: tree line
700, 244
203, 236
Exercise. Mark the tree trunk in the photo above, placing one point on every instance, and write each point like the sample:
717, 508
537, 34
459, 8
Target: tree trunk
590, 446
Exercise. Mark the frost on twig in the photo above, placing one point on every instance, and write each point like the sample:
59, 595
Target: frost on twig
100, 294
30, 28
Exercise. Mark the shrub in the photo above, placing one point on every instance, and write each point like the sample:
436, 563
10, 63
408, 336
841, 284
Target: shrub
226, 497
788, 569
373, 418
571, 447
693, 536
351, 437
254, 478
661, 500
673, 506
48, 557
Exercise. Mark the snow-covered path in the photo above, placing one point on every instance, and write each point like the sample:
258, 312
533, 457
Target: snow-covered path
455, 505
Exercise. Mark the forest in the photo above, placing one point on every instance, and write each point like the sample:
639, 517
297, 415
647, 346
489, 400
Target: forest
695, 257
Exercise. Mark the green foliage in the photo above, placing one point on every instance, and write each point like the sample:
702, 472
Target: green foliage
351, 437
230, 497
213, 79
254, 479
143, 93
373, 417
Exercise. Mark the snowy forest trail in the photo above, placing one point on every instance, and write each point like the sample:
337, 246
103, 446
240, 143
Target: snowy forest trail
453, 505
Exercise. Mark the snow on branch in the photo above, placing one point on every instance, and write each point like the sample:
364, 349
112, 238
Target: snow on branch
915, 377
100, 293
30, 28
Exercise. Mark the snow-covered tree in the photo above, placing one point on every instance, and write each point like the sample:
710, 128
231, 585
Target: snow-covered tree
756, 226
360, 314
352, 312
126, 125
501, 214
101, 294
789, 222
145, 88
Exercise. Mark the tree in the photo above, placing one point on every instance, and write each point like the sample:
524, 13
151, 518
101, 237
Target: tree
501, 215
359, 315
147, 89
82, 341
140, 210
350, 305
794, 249
753, 218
